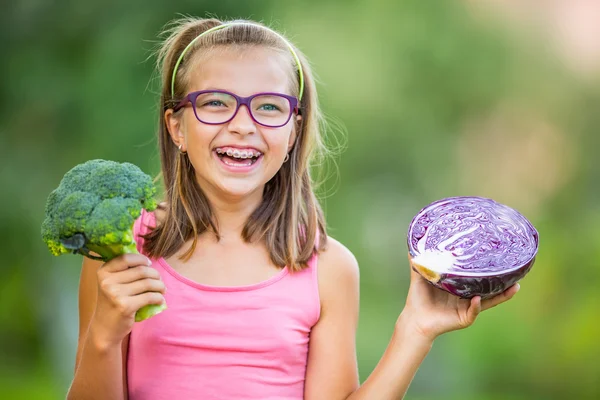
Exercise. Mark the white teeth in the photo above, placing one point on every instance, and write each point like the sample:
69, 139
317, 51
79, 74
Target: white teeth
239, 153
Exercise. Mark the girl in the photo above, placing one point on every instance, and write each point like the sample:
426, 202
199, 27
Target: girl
262, 304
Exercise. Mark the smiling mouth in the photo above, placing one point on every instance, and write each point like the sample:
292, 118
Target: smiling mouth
238, 158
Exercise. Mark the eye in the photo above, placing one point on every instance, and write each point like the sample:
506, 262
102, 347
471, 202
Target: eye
212, 103
269, 107
270, 104
215, 101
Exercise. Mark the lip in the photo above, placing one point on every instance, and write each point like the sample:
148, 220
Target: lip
237, 169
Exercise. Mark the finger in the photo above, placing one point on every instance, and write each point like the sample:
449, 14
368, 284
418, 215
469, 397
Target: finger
501, 298
474, 309
136, 273
143, 286
144, 299
424, 276
126, 261
414, 275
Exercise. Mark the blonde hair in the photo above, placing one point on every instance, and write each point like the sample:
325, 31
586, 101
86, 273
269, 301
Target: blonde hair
289, 219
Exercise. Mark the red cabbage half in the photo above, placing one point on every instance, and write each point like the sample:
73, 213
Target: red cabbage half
471, 246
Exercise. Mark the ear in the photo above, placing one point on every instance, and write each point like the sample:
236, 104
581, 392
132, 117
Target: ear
173, 124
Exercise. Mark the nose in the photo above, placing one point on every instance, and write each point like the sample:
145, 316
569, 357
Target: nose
242, 121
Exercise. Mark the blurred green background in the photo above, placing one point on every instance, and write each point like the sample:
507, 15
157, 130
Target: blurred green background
436, 99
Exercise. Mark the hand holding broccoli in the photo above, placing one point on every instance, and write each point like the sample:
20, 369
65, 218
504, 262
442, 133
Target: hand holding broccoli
93, 211
126, 284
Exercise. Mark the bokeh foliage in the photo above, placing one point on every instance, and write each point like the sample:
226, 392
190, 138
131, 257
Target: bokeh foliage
435, 101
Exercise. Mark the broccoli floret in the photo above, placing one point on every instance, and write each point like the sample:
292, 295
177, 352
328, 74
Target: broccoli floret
93, 210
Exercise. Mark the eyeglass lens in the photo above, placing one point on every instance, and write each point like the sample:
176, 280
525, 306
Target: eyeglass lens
268, 110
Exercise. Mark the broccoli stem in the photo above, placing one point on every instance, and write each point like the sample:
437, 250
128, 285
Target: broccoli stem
108, 253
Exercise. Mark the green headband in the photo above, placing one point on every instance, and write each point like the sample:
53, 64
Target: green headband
215, 28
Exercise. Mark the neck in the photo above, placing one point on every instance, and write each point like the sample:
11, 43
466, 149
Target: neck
232, 212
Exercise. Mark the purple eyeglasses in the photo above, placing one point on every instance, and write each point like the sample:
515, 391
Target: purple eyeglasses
215, 107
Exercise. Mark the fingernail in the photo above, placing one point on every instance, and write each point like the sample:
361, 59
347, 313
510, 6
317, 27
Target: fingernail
518, 287
149, 261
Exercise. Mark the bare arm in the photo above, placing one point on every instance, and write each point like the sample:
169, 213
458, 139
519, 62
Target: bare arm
396, 368
429, 312
98, 360
332, 371
101, 372
109, 295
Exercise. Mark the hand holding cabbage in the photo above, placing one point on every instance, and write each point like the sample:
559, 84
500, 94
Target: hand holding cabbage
466, 255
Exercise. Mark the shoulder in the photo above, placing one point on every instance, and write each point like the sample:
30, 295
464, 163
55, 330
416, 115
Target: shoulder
337, 259
338, 272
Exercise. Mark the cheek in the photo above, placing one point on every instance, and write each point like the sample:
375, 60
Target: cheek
200, 136
199, 140
279, 140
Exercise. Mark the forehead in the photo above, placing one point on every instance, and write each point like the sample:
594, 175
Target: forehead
244, 71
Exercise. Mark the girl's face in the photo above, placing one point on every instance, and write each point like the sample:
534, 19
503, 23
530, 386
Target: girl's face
261, 150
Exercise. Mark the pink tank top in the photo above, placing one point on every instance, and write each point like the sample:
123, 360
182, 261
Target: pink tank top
245, 342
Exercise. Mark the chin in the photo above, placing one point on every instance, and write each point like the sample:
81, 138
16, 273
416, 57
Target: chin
241, 189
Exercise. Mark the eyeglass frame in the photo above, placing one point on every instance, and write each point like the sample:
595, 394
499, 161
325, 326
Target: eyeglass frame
192, 96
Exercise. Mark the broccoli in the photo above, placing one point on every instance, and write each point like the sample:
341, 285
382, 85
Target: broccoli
93, 210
